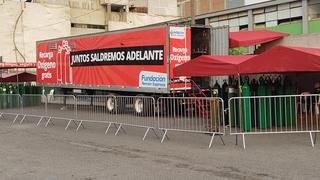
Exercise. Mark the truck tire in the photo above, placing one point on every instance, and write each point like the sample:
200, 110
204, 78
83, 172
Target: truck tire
143, 106
110, 104
138, 105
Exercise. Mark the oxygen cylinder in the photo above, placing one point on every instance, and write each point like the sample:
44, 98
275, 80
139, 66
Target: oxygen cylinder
216, 90
224, 94
5, 97
10, 97
22, 90
33, 99
246, 107
269, 102
262, 120
238, 101
232, 93
27, 88
1, 96
254, 102
27, 100
254, 87
39, 92
15, 98
290, 104
279, 104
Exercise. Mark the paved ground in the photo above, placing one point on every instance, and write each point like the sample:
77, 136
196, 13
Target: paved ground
31, 153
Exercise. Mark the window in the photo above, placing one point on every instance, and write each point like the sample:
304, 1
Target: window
271, 23
289, 20
145, 10
243, 28
259, 18
92, 26
314, 11
243, 21
89, 26
260, 25
117, 8
77, 25
271, 9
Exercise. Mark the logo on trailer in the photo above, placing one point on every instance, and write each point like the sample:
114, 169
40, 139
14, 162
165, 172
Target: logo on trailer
64, 71
177, 32
153, 79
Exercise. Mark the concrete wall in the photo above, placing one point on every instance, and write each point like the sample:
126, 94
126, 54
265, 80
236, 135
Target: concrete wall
84, 16
119, 2
138, 19
162, 7
302, 40
81, 31
81, 4
37, 22
248, 2
138, 3
234, 3
201, 6
48, 19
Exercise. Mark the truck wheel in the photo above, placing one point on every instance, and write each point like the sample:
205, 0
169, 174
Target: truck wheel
143, 106
138, 105
110, 104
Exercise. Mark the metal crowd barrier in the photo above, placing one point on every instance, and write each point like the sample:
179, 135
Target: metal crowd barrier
274, 114
61, 107
190, 114
10, 104
94, 109
33, 105
137, 111
247, 115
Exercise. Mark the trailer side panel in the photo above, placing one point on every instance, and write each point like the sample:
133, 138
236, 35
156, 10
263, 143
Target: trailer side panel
127, 61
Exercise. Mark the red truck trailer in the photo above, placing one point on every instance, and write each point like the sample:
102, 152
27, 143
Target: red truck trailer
128, 62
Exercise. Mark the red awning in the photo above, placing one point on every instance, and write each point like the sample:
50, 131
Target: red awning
251, 38
17, 65
206, 65
17, 77
283, 59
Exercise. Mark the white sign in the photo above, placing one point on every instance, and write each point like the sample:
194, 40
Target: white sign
177, 32
153, 79
45, 55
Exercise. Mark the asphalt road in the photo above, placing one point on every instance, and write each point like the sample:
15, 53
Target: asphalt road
28, 152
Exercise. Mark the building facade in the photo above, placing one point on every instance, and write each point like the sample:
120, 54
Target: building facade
207, 6
289, 16
24, 23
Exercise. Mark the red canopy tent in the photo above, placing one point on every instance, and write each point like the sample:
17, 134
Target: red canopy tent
251, 38
18, 77
283, 59
280, 59
9, 65
212, 65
